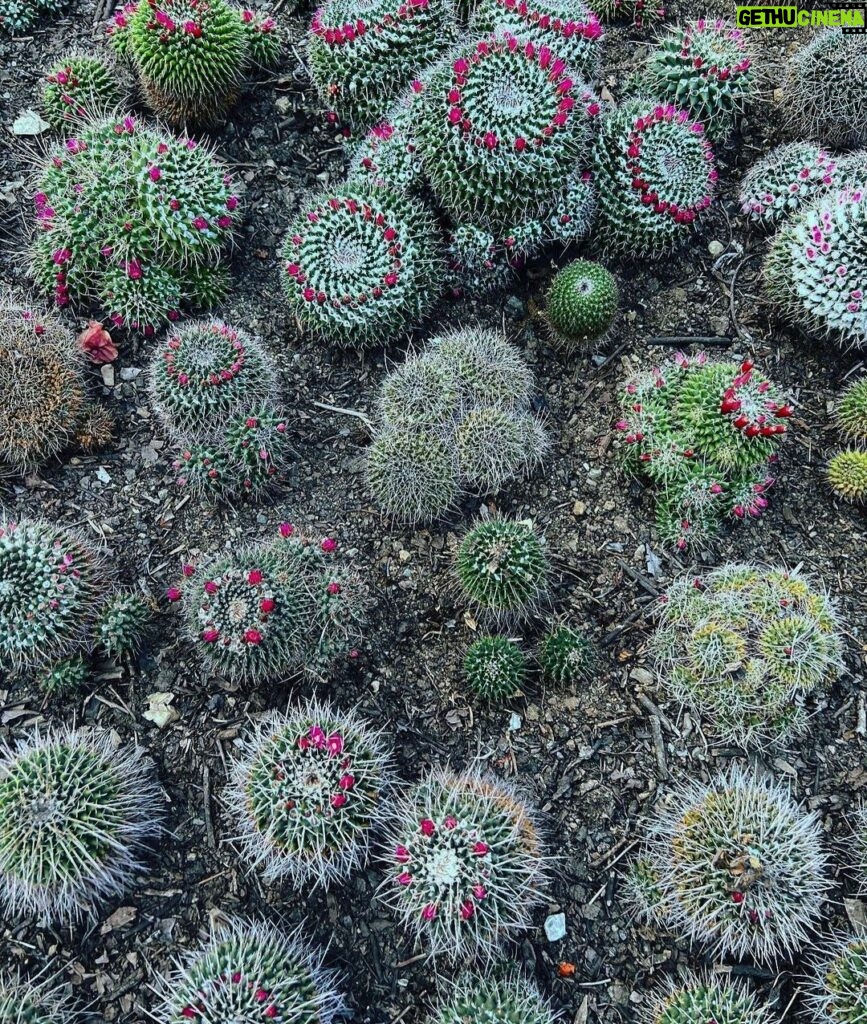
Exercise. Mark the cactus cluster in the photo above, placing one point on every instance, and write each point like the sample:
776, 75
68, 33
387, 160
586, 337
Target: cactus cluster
738, 866
272, 609
251, 971
825, 90
639, 13
77, 811
192, 56
465, 863
500, 998
655, 174
20, 16
581, 305
307, 790
703, 67
785, 180
495, 668
744, 646
706, 998
133, 219
847, 469
80, 87
706, 432
453, 417
361, 265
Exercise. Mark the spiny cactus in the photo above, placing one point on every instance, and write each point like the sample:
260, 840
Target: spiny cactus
851, 412
706, 432
639, 13
502, 568
705, 997
495, 668
655, 175
95, 429
362, 55
838, 991
501, 998
489, 370
67, 676
387, 156
361, 265
847, 474
740, 866
824, 88
567, 27
785, 180
251, 970
37, 1000
816, 268
272, 609
42, 386
20, 16
502, 130
642, 892
79, 87
263, 38
465, 866
491, 447
581, 304
411, 474
307, 790
424, 391
123, 624
566, 656
703, 67
744, 646
77, 811
52, 586
130, 217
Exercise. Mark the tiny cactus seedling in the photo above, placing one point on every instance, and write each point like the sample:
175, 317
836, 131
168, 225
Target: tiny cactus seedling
851, 412
271, 610
132, 218
838, 989
847, 474
39, 1000
251, 971
641, 890
307, 790
706, 998
785, 180
52, 586
80, 87
411, 474
495, 668
706, 432
502, 568
639, 13
816, 269
503, 129
581, 304
123, 624
502, 998
66, 677
566, 656
465, 866
654, 174
363, 54
740, 867
42, 386
361, 266
19, 16
826, 88
76, 814
703, 67
744, 646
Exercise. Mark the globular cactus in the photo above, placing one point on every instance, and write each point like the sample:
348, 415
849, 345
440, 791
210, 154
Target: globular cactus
824, 88
272, 609
655, 174
491, 446
307, 790
642, 892
703, 67
20, 16
52, 586
745, 646
95, 430
495, 668
502, 568
838, 982
506, 997
130, 217
705, 997
387, 156
850, 415
489, 370
361, 266
38, 1000
740, 867
362, 55
264, 38
581, 305
567, 27
707, 433
424, 391
251, 970
78, 87
502, 130
123, 624
43, 393
412, 474
785, 180
65, 677
816, 268
465, 864
847, 474
566, 656
77, 812
639, 13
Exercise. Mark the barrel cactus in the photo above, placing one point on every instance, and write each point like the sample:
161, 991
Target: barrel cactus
465, 866
655, 175
699, 997
785, 180
495, 668
502, 998
847, 474
838, 990
566, 656
581, 304
78, 87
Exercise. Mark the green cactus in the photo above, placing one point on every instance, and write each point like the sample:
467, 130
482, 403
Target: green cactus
411, 474
491, 447
421, 392
847, 475
387, 156
264, 39
19, 16
851, 412
639, 13
706, 998
80, 87
489, 371
838, 993
581, 304
566, 656
495, 668
66, 677
501, 998
502, 568
38, 1000
785, 180
123, 624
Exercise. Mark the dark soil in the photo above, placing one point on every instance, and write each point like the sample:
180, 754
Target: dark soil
587, 757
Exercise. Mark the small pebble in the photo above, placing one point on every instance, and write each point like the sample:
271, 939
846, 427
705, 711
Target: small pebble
555, 927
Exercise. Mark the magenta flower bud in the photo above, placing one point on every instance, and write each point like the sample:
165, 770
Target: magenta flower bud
173, 594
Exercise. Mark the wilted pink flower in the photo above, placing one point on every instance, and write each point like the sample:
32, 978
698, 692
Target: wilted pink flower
96, 343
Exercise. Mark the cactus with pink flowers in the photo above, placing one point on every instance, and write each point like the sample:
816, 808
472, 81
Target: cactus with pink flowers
785, 180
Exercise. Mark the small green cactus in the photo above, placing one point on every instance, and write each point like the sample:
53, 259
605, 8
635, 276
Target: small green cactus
123, 624
387, 156
66, 677
641, 889
495, 668
851, 412
838, 993
639, 13
697, 997
78, 87
502, 568
566, 656
501, 998
264, 39
581, 304
847, 474
411, 474
39, 1000
785, 180
20, 16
